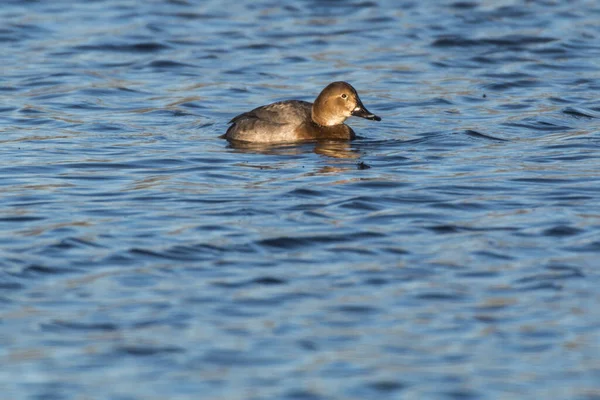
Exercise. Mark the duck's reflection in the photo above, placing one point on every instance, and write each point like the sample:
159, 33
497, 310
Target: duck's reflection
333, 149
336, 149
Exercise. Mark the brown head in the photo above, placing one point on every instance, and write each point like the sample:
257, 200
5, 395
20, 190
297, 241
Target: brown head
336, 103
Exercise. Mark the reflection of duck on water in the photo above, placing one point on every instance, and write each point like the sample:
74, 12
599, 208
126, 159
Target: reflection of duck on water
329, 148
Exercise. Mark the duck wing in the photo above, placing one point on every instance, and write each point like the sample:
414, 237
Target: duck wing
276, 122
293, 112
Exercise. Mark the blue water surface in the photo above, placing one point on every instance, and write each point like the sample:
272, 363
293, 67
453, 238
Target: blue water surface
451, 252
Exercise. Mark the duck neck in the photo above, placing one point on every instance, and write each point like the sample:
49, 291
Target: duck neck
324, 118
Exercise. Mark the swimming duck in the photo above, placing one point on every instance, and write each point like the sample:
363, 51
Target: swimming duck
295, 120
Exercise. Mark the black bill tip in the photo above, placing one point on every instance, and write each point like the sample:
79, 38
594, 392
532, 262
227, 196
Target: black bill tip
361, 111
364, 113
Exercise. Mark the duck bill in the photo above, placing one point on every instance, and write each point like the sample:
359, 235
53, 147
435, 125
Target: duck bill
361, 111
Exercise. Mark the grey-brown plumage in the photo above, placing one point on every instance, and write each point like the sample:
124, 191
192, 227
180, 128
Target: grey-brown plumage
295, 120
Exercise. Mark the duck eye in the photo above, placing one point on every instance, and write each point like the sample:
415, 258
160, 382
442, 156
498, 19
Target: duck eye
344, 96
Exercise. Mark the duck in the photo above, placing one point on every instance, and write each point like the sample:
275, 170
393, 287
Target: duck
300, 121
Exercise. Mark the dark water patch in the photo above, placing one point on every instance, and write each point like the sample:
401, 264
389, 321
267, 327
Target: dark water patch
508, 12
461, 394
36, 270
395, 250
163, 113
560, 67
30, 110
514, 106
580, 113
160, 162
21, 218
520, 40
442, 296
483, 60
443, 229
464, 5
189, 252
86, 106
269, 281
195, 105
95, 166
560, 100
103, 127
400, 197
74, 243
557, 275
8, 89
33, 121
103, 92
69, 326
8, 283
569, 199
509, 75
144, 351
581, 45
494, 255
376, 281
107, 63
552, 50
259, 46
459, 189
41, 82
521, 83
291, 243
562, 231
261, 281
128, 90
360, 205
575, 143
160, 65
353, 309
479, 135
539, 125
302, 394
353, 250
457, 229
462, 206
508, 41
107, 178
545, 181
541, 286
199, 16
307, 193
482, 274
593, 247
141, 47
575, 271
455, 41
432, 102
379, 388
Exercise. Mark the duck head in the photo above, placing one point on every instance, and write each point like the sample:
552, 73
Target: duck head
336, 103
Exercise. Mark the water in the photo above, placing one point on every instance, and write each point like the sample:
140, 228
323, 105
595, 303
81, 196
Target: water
449, 253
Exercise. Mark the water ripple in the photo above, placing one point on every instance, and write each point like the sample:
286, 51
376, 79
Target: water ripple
449, 252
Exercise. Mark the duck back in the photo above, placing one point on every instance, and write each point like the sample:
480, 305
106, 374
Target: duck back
276, 122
